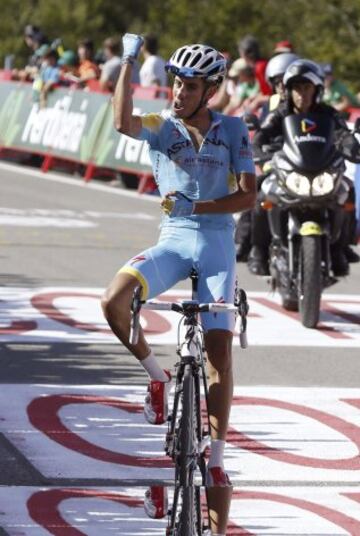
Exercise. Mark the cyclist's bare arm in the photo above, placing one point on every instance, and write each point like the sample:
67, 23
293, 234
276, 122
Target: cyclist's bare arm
124, 120
243, 199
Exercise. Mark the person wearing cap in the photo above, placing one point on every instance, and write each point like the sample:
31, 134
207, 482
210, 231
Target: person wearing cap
283, 47
246, 87
68, 64
336, 94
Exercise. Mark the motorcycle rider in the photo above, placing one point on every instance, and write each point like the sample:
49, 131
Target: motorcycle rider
274, 75
304, 86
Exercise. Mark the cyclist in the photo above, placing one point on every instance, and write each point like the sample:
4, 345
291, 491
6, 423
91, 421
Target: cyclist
202, 163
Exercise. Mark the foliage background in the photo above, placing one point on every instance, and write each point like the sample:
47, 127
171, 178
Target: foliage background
323, 30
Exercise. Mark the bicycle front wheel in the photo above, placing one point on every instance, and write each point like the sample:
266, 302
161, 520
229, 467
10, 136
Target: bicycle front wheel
190, 523
187, 449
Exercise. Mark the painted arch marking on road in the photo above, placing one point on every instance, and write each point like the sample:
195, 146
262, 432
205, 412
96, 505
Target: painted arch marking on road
74, 315
276, 433
77, 511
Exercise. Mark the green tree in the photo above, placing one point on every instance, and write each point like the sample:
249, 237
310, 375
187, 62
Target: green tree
328, 30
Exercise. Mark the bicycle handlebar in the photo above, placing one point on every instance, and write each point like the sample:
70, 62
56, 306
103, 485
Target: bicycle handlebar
189, 307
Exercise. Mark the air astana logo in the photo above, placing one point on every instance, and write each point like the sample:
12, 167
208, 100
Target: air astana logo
307, 126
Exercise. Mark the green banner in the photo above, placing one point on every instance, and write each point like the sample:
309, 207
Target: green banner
75, 125
116, 151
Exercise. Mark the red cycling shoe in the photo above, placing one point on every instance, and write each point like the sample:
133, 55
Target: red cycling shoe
156, 401
216, 477
156, 502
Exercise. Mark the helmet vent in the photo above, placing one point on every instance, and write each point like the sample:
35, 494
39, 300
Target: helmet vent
195, 59
186, 58
181, 53
207, 62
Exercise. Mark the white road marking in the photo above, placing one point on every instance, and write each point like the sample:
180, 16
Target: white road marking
73, 314
80, 183
276, 433
35, 217
266, 511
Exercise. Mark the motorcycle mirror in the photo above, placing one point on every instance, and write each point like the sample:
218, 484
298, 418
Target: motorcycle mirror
357, 125
252, 121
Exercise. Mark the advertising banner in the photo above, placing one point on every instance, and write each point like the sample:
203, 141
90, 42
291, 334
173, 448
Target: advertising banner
116, 151
74, 125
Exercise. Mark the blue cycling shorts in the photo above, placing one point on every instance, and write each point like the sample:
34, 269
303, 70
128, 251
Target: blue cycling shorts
211, 252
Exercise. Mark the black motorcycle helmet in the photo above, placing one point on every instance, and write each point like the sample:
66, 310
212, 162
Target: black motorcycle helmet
304, 70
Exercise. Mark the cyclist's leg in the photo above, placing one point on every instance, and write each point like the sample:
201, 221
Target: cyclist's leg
217, 284
156, 270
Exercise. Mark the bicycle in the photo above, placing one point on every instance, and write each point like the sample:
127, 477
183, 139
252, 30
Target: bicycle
188, 432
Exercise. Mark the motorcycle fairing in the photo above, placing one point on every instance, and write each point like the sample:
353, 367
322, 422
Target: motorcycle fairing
309, 141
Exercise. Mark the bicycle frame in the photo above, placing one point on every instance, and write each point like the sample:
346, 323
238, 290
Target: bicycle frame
187, 436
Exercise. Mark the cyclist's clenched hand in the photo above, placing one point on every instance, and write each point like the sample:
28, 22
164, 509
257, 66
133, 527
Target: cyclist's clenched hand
177, 204
132, 44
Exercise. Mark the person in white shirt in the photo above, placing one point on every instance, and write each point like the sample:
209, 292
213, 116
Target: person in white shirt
152, 71
110, 70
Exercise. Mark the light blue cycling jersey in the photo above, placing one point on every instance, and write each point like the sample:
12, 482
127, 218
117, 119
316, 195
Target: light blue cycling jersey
201, 175
201, 242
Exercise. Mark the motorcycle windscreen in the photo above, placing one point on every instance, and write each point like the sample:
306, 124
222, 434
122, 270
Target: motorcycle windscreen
309, 141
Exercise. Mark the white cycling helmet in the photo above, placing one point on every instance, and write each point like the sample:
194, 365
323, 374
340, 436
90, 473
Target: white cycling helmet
278, 64
197, 60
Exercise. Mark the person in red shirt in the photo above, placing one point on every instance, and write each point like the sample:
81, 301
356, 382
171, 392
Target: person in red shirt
249, 49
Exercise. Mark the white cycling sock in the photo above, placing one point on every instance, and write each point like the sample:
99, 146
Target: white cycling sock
217, 453
153, 368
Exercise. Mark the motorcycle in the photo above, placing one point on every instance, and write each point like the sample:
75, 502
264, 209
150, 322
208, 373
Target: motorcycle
304, 194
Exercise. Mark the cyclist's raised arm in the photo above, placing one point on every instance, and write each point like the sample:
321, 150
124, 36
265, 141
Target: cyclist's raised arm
124, 120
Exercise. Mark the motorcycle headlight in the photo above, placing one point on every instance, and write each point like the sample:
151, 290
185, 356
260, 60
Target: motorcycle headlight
298, 184
323, 184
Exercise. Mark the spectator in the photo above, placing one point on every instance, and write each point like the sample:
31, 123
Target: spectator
34, 38
249, 50
283, 47
88, 69
246, 88
49, 74
336, 94
68, 64
111, 68
227, 88
152, 71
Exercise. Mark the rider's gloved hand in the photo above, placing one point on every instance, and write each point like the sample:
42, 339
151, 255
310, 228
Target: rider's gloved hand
132, 44
177, 204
